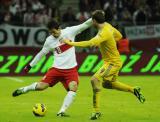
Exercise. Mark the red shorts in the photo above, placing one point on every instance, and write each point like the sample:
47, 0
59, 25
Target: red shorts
65, 76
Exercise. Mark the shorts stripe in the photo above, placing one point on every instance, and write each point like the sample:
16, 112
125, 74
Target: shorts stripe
107, 71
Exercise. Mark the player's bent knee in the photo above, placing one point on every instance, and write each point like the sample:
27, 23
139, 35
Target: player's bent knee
94, 81
107, 84
41, 86
73, 86
95, 84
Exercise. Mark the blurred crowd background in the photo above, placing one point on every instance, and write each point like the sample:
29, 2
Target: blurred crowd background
120, 13
38, 12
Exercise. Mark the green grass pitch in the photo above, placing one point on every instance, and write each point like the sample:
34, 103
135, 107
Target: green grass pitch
116, 106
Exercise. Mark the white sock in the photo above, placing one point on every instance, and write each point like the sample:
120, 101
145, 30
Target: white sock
67, 101
31, 87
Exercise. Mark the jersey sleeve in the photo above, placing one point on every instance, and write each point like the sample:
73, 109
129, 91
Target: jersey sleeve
39, 55
99, 38
46, 47
79, 28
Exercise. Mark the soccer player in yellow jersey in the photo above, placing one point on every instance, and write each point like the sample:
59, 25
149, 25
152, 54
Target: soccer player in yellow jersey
107, 75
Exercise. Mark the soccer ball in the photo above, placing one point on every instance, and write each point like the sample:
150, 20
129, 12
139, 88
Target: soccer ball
39, 109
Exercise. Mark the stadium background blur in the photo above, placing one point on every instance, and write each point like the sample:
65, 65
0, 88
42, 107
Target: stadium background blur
21, 24
120, 13
138, 12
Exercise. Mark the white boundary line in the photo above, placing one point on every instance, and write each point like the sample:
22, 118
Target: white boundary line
14, 79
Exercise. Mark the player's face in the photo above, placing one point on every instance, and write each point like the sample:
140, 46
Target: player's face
55, 32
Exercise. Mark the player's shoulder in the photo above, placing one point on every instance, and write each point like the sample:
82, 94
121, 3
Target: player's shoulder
108, 24
50, 39
108, 28
67, 30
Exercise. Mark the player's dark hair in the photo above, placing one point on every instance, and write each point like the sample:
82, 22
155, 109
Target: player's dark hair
53, 24
99, 16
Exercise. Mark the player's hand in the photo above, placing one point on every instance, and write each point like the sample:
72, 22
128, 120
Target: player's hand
27, 68
67, 41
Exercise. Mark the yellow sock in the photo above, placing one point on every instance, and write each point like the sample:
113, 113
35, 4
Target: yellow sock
96, 99
122, 87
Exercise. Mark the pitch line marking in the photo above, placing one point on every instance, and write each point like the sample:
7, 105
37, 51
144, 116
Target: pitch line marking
14, 79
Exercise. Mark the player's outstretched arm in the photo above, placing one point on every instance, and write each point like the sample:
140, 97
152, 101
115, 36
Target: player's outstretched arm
92, 42
78, 44
38, 57
85, 25
34, 61
81, 27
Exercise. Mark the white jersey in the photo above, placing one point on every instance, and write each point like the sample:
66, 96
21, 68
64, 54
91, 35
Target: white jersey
64, 55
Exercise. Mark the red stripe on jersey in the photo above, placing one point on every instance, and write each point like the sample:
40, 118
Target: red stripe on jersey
62, 48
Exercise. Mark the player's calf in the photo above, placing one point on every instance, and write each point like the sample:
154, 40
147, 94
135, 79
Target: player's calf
35, 86
41, 86
96, 84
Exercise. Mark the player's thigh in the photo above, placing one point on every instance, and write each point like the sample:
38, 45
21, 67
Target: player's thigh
107, 82
97, 78
103, 71
51, 77
71, 81
107, 72
112, 75
115, 76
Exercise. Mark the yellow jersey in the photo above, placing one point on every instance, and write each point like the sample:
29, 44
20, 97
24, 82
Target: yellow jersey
106, 41
108, 46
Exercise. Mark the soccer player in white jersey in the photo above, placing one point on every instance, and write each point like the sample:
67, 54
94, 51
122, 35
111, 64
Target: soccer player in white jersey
64, 68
